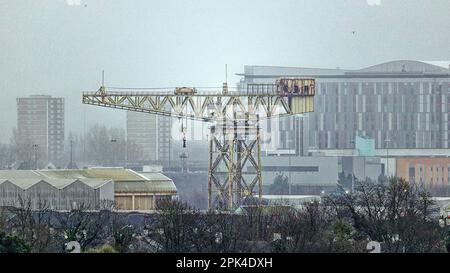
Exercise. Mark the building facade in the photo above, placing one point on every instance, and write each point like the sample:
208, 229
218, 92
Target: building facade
362, 167
48, 190
40, 129
400, 104
93, 188
144, 194
301, 171
165, 140
429, 171
288, 135
148, 138
142, 137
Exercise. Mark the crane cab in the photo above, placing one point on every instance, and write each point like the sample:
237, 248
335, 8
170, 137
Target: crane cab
185, 91
295, 87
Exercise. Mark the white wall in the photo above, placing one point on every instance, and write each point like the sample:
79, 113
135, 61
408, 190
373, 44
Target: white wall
327, 173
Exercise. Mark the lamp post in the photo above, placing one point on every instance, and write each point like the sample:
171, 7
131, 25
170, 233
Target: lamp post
113, 140
387, 140
290, 181
353, 160
126, 151
35, 148
71, 154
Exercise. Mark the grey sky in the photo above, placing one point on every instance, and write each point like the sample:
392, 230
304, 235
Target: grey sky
51, 47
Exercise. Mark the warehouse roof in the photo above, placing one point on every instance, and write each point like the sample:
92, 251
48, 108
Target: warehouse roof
398, 68
150, 182
145, 186
26, 183
116, 174
154, 176
125, 180
18, 174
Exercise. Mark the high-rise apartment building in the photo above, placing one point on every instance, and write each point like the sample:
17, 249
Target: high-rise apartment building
40, 129
142, 137
402, 105
165, 140
148, 138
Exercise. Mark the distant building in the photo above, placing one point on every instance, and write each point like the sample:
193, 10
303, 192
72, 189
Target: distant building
165, 140
313, 174
365, 146
296, 201
40, 129
148, 138
286, 135
429, 171
362, 167
142, 137
50, 189
144, 194
400, 104
94, 188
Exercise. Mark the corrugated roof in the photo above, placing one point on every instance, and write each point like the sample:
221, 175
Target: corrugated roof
23, 183
116, 174
149, 182
26, 183
125, 180
18, 174
102, 173
145, 186
154, 176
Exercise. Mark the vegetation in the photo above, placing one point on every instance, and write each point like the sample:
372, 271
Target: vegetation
280, 185
102, 249
88, 147
12, 244
399, 215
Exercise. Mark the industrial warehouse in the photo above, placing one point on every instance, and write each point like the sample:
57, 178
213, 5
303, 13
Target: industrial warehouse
93, 188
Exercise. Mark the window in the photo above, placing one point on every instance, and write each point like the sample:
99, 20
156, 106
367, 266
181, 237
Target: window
412, 173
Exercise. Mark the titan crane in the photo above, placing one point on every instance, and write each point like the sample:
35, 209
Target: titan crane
234, 174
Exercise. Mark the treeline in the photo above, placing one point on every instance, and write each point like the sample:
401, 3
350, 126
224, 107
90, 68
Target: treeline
398, 215
99, 145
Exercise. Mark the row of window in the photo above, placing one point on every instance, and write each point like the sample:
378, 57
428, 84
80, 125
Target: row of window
436, 173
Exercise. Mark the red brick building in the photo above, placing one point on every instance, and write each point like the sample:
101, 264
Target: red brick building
429, 171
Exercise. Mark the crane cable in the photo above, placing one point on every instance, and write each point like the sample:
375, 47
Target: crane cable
183, 128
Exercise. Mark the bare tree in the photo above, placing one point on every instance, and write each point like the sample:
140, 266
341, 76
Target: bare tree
106, 146
88, 228
397, 214
22, 150
32, 224
6, 156
174, 227
177, 227
219, 232
124, 235
301, 230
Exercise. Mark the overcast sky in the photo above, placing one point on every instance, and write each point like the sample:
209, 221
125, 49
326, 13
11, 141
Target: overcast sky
59, 47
